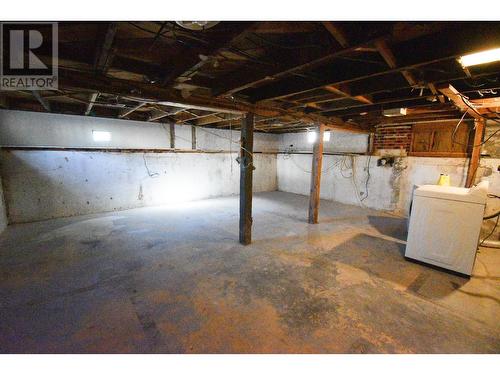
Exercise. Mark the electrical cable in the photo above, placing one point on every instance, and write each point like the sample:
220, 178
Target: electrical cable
491, 216
152, 175
367, 168
465, 100
492, 231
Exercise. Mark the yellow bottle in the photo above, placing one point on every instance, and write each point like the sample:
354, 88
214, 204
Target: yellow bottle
444, 180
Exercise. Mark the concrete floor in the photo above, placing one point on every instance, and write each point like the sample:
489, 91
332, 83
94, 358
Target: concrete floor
175, 280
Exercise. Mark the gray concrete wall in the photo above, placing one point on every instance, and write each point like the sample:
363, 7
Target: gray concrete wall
47, 184
3, 210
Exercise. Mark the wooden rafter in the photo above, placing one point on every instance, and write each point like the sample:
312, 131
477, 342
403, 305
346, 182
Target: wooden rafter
337, 33
282, 72
45, 104
473, 37
171, 97
104, 53
93, 98
128, 111
454, 95
390, 59
192, 65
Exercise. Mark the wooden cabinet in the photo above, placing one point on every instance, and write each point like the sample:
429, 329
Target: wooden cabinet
435, 139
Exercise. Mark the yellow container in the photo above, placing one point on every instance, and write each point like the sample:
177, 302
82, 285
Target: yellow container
444, 180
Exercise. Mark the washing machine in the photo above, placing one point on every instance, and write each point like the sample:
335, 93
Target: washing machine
444, 227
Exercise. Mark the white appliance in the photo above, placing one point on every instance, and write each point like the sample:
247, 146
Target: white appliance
444, 225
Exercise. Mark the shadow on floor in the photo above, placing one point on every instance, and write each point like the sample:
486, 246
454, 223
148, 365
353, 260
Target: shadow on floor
385, 259
390, 226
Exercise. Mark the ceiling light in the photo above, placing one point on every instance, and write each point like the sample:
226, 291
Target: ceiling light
326, 136
197, 25
394, 112
478, 58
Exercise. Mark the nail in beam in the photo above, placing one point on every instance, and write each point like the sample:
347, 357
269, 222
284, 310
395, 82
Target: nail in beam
246, 173
317, 161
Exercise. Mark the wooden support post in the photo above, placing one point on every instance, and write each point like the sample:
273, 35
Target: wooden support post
172, 135
193, 137
246, 174
317, 161
371, 144
476, 152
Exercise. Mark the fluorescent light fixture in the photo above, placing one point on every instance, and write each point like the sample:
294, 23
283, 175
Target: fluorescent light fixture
311, 136
101, 136
394, 112
478, 58
326, 136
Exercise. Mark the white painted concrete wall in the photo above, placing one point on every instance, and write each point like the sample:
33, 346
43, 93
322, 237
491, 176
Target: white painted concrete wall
389, 188
339, 142
47, 184
35, 129
42, 184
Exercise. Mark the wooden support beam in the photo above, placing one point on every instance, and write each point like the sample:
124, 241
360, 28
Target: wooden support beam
476, 152
390, 59
345, 92
246, 175
193, 137
337, 33
434, 91
317, 161
172, 135
104, 53
190, 66
72, 80
93, 98
454, 95
128, 111
371, 144
246, 81
157, 114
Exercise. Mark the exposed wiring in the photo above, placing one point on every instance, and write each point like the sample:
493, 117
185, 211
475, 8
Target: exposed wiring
152, 175
367, 168
492, 231
491, 216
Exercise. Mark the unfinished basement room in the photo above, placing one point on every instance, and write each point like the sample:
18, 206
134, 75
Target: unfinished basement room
250, 187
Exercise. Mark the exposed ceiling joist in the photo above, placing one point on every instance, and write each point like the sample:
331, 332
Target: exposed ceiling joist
104, 53
281, 72
345, 92
191, 65
418, 55
337, 33
390, 59
128, 111
45, 104
93, 98
171, 97
457, 98
157, 114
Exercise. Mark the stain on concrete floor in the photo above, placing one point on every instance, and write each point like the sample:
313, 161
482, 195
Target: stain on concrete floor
175, 280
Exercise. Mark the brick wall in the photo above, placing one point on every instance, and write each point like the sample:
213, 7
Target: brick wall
393, 137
